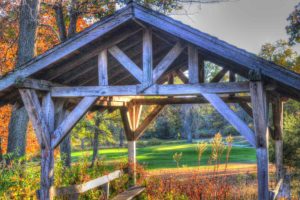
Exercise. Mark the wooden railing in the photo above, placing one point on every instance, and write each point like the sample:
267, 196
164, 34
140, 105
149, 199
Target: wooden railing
74, 190
275, 192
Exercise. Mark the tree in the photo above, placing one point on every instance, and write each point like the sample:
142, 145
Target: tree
28, 19
96, 126
293, 29
281, 53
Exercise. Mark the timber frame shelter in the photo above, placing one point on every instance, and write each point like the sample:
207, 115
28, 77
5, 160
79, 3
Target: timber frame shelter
137, 52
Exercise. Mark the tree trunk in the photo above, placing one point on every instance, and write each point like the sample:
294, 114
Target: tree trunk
1, 157
82, 146
29, 10
65, 151
121, 138
60, 21
95, 147
187, 120
73, 19
65, 145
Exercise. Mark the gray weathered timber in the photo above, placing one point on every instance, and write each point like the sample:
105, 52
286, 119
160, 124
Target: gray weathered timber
68, 47
34, 110
126, 62
219, 76
217, 47
84, 187
63, 129
125, 116
132, 159
47, 155
165, 63
193, 64
277, 109
259, 107
231, 117
57, 72
35, 84
102, 67
130, 194
182, 77
154, 90
245, 106
147, 58
135, 115
147, 121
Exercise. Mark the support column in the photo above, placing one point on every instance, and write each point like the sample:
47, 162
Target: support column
277, 109
259, 105
132, 160
47, 155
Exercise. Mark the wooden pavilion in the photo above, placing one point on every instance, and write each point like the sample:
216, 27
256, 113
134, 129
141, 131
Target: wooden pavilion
137, 52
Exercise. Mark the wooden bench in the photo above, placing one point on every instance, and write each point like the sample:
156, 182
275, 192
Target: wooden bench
130, 193
74, 191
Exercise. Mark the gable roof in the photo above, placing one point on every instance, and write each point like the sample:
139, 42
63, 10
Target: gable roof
119, 26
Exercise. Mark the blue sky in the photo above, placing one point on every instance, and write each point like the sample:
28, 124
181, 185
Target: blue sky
244, 23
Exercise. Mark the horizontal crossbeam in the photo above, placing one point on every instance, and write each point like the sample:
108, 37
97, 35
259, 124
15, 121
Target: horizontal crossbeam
154, 90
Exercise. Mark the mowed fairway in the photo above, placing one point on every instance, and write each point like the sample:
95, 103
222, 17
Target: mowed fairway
161, 156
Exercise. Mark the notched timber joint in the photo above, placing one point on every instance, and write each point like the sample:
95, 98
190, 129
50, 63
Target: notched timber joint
255, 75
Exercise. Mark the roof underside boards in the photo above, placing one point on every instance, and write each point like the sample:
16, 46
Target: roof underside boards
74, 62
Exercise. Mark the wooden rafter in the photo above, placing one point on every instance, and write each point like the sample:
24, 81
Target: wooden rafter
219, 76
69, 122
126, 62
166, 62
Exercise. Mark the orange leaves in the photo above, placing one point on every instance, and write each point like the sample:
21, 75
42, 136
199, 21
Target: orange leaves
4, 121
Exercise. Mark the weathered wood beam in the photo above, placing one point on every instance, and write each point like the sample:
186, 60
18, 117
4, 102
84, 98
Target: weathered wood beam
277, 109
126, 62
183, 100
259, 107
135, 111
35, 113
147, 58
201, 69
219, 76
47, 155
245, 106
231, 117
154, 90
125, 116
182, 77
193, 64
64, 49
147, 121
166, 62
64, 128
102, 68
29, 83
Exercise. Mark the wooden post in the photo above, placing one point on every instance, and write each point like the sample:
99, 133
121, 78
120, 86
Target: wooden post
47, 155
259, 106
277, 108
147, 58
193, 64
132, 159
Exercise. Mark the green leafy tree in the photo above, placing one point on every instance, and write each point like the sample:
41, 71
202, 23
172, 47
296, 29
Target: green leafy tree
293, 28
281, 53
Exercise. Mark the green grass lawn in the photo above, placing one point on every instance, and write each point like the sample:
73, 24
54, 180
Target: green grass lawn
161, 156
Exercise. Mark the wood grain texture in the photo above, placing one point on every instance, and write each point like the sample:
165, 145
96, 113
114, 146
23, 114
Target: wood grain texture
70, 121
35, 113
154, 90
126, 62
231, 117
84, 187
259, 108
102, 68
165, 63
